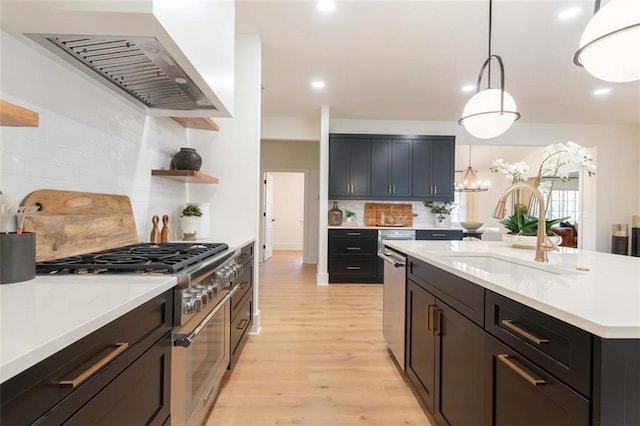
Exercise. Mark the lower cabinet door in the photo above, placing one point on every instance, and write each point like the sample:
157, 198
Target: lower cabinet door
526, 395
459, 361
420, 340
140, 395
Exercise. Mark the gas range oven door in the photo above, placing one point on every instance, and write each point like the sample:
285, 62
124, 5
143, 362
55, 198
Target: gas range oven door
200, 357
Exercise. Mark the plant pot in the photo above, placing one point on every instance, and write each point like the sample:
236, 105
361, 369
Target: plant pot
189, 226
17, 257
527, 241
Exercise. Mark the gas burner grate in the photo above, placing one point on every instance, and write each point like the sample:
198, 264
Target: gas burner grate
169, 258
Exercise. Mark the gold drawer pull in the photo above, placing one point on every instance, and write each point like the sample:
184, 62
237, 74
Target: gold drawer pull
511, 325
82, 377
353, 234
512, 363
242, 324
353, 268
354, 248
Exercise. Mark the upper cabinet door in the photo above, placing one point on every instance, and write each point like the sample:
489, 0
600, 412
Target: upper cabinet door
380, 166
360, 168
442, 169
349, 167
401, 168
339, 151
433, 168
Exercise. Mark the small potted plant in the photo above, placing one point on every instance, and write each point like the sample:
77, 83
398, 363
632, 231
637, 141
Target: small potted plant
190, 221
441, 210
350, 215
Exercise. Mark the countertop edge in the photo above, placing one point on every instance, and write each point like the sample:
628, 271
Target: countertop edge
17, 365
597, 329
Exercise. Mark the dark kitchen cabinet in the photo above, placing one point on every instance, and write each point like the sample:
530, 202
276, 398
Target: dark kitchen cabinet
439, 234
349, 167
353, 256
241, 318
444, 358
525, 395
119, 374
391, 168
433, 165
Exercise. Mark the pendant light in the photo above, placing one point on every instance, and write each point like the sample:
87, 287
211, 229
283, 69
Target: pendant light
610, 44
470, 181
490, 112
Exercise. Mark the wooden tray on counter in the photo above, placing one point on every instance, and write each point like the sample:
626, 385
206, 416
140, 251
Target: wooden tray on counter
393, 214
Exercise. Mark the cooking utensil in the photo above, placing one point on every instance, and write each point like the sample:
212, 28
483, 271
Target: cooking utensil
5, 215
21, 213
164, 234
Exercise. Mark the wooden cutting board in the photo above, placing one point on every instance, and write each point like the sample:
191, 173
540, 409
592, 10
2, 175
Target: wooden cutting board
71, 223
387, 214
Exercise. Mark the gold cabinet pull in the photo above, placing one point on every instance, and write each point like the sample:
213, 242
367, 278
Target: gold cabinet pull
353, 234
429, 316
354, 248
512, 363
511, 325
353, 268
82, 377
437, 322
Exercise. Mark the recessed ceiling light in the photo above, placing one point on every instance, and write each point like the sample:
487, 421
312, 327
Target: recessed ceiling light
318, 85
468, 88
569, 13
326, 6
601, 92
180, 80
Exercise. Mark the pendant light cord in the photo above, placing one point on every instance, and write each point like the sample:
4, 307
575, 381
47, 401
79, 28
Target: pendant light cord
490, 28
596, 7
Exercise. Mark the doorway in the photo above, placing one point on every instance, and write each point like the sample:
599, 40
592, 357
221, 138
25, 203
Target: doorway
283, 213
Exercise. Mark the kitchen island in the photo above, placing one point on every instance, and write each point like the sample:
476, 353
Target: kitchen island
493, 337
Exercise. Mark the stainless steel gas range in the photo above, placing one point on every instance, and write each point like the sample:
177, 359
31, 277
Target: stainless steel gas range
207, 279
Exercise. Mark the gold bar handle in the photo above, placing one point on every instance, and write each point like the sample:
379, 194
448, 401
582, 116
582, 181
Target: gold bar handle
82, 377
511, 325
429, 316
512, 363
354, 248
437, 322
353, 268
354, 234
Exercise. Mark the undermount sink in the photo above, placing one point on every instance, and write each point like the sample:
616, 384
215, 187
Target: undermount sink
494, 265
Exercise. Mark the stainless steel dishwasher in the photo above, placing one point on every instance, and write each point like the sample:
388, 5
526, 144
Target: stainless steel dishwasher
393, 302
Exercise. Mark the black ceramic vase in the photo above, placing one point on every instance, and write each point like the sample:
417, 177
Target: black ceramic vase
187, 159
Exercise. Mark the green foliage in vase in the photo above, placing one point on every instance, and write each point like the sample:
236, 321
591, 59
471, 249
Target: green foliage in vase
192, 210
524, 224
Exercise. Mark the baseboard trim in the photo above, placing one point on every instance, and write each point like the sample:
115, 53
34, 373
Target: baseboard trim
257, 326
322, 279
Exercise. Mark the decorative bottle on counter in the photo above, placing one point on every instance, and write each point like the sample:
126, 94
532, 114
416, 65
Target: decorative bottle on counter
620, 239
635, 236
186, 159
335, 215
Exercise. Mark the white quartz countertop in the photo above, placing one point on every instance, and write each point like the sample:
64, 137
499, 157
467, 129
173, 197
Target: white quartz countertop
44, 315
605, 300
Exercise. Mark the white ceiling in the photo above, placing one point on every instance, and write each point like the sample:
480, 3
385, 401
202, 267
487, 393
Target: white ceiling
408, 60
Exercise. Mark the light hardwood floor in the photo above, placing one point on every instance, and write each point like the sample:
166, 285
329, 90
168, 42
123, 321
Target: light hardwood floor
320, 359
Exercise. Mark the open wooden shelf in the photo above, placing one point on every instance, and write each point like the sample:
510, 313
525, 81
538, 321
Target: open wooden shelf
197, 123
15, 116
188, 176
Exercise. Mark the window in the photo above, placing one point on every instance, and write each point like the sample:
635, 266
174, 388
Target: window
563, 203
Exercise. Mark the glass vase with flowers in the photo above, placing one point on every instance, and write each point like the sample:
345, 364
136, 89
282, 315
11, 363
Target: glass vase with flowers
560, 160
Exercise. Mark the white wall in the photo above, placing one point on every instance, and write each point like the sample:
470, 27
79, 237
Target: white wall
89, 139
617, 147
293, 128
298, 156
288, 211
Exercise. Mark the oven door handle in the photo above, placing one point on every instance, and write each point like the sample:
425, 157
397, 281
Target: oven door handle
186, 340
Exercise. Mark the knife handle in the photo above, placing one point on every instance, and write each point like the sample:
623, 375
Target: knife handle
155, 232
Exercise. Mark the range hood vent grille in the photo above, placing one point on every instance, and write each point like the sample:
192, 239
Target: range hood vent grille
139, 66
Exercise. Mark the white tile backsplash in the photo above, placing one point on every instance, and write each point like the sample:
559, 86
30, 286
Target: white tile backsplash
89, 139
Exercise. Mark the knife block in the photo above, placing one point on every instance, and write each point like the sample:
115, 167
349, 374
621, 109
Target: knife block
17, 257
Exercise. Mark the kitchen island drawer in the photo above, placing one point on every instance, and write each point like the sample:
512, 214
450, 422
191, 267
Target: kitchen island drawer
560, 348
439, 234
237, 300
52, 390
462, 295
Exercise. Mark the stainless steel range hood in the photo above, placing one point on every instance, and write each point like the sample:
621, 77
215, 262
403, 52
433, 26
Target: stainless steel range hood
138, 66
170, 58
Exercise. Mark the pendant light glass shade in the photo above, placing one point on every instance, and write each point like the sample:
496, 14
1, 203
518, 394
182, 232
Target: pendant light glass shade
610, 44
483, 117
